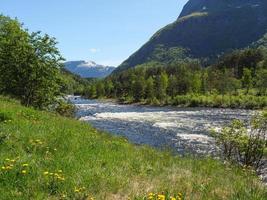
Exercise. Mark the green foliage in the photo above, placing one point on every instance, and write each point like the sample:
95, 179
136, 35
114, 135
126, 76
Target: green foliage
65, 109
150, 89
261, 81
190, 84
240, 59
29, 65
68, 159
207, 34
247, 79
5, 117
243, 146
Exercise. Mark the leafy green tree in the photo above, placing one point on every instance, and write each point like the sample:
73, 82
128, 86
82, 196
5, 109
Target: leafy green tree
195, 82
247, 79
31, 63
139, 88
150, 91
172, 86
242, 146
240, 59
162, 84
183, 80
261, 81
100, 89
204, 82
109, 87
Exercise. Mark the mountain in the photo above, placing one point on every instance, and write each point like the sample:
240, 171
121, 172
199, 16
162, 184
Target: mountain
88, 69
205, 29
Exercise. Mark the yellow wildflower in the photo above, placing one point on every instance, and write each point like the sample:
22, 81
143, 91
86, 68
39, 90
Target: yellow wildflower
161, 197
8, 167
172, 198
25, 165
24, 172
46, 173
3, 168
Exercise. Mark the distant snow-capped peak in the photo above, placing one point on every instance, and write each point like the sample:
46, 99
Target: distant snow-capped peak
88, 64
88, 69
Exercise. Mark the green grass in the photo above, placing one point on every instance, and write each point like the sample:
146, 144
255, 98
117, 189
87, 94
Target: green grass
106, 167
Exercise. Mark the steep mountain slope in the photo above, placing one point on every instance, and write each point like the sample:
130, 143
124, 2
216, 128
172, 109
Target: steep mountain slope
88, 69
206, 29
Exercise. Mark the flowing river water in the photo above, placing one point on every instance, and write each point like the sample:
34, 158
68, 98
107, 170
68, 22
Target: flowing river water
182, 130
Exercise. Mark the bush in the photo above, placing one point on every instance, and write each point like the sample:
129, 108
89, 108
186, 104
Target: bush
5, 117
243, 146
65, 109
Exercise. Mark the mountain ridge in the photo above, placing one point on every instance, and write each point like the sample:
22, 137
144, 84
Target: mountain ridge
88, 69
207, 29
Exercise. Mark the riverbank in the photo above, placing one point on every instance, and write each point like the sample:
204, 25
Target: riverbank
45, 156
209, 101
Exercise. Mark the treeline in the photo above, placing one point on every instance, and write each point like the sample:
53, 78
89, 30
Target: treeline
241, 74
31, 68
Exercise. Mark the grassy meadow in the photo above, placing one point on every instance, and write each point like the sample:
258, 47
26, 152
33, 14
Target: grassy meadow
46, 156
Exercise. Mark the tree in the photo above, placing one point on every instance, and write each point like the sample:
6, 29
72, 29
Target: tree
139, 88
109, 87
240, 59
90, 91
242, 145
100, 89
261, 81
149, 91
31, 62
171, 90
162, 84
247, 79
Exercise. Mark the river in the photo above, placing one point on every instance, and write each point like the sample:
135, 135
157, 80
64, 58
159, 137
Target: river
182, 130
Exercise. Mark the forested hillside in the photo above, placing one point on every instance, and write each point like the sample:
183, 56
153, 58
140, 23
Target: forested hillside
237, 79
205, 30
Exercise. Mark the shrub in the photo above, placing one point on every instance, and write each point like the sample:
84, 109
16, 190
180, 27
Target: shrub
65, 109
241, 145
4, 117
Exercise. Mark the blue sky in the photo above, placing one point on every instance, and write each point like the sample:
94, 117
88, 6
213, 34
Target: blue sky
105, 31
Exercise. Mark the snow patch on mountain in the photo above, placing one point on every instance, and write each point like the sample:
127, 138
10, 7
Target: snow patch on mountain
88, 69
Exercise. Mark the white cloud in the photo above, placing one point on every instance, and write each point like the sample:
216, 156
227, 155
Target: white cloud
94, 50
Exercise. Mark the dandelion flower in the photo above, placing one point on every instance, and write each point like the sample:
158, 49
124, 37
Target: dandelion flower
161, 197
3, 168
24, 172
46, 173
8, 167
180, 194
25, 165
